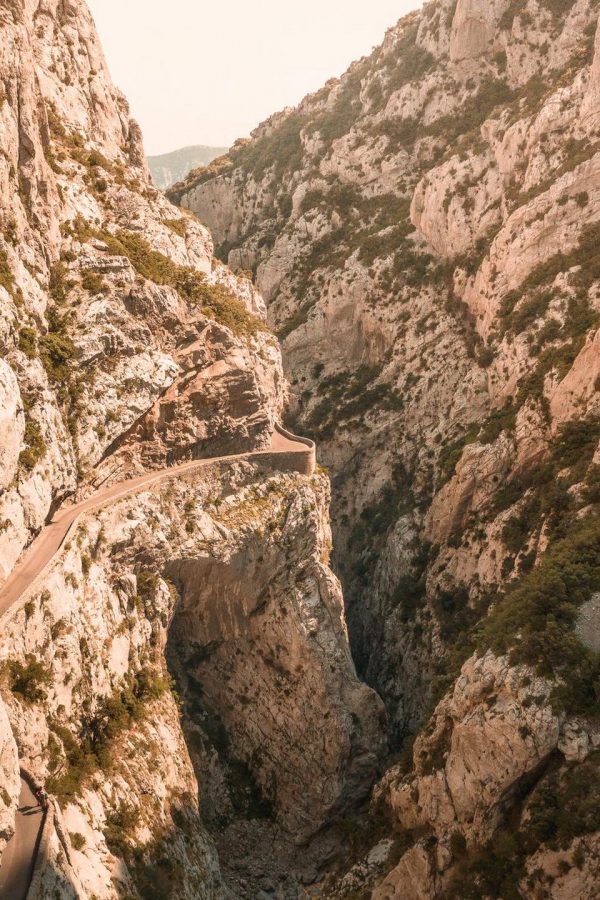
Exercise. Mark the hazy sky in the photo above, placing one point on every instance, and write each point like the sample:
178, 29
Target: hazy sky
207, 72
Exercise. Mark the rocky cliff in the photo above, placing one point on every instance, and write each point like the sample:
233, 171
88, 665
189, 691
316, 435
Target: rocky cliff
180, 677
425, 232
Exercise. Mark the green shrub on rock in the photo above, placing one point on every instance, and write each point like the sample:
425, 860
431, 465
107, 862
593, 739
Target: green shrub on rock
94, 746
7, 280
534, 620
29, 680
28, 342
36, 447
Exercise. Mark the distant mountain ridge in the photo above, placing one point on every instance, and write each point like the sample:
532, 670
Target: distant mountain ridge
171, 167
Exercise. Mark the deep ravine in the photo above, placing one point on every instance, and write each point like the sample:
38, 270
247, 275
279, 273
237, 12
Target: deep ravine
408, 273
437, 210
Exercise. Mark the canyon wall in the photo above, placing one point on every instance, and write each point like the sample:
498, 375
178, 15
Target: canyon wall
229, 566
181, 677
424, 231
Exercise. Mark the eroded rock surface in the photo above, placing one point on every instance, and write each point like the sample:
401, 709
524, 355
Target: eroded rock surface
126, 347
436, 211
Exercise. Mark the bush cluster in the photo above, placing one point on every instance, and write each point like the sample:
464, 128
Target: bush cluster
7, 280
35, 449
533, 621
29, 680
93, 748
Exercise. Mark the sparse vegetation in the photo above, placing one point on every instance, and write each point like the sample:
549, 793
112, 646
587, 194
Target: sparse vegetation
564, 805
395, 499
29, 680
7, 280
57, 351
296, 320
74, 758
220, 166
214, 300
92, 282
28, 342
349, 396
178, 226
78, 841
280, 147
59, 284
534, 619
119, 827
452, 453
36, 448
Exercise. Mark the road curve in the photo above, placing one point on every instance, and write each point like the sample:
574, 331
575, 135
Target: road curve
18, 859
50, 539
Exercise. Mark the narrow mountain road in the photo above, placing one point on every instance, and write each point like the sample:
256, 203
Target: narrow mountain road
50, 539
18, 860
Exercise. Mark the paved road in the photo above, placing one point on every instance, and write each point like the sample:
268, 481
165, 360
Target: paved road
51, 537
18, 859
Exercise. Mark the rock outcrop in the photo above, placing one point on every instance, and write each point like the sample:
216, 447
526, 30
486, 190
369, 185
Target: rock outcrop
227, 566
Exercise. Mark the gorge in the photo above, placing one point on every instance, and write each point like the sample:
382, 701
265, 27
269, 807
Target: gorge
237, 673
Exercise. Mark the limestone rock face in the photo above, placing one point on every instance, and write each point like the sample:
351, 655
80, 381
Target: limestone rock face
93, 326
11, 424
226, 568
590, 108
474, 28
9, 775
182, 670
471, 489
412, 877
425, 232
482, 744
453, 224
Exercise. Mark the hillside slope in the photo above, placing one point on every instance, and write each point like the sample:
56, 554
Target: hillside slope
167, 168
425, 234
